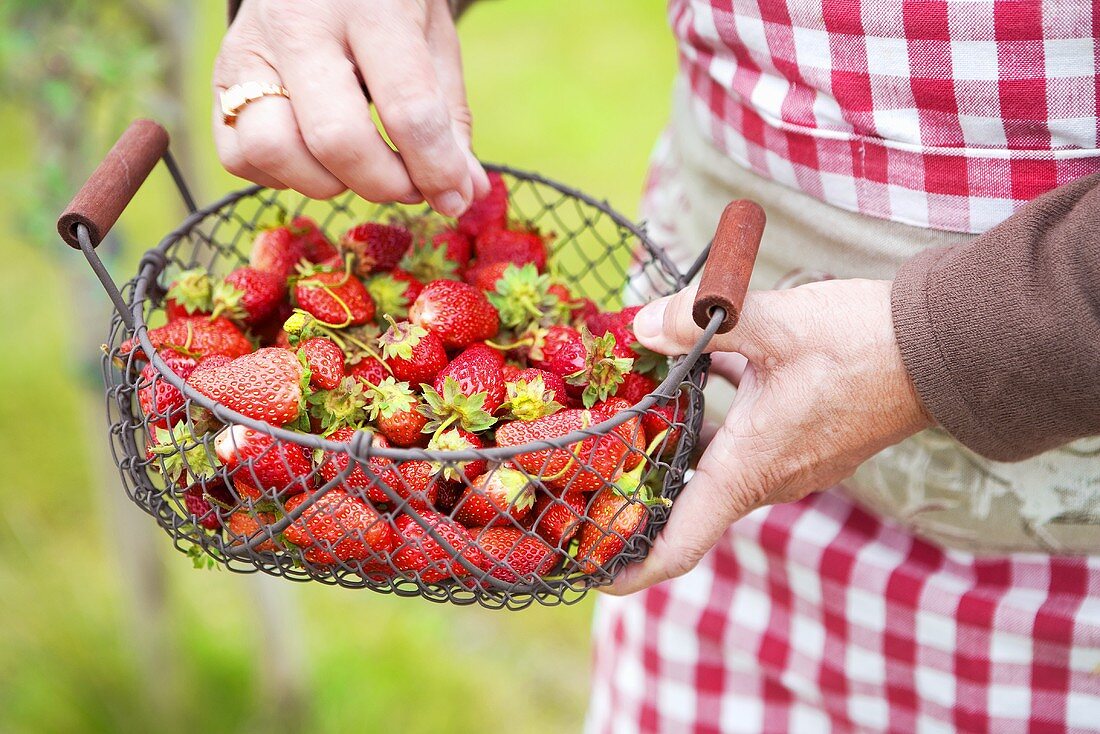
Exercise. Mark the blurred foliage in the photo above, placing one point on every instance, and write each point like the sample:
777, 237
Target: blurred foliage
574, 89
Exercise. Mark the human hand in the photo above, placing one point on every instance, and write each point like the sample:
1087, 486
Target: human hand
322, 140
821, 388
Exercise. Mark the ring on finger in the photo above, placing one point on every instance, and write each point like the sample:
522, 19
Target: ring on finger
234, 99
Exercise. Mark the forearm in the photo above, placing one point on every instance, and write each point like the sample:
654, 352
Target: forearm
1001, 336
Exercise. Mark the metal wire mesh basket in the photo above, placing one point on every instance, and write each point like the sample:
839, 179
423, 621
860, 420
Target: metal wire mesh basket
360, 515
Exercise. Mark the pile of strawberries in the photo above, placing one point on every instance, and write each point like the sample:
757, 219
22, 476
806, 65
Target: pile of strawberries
424, 332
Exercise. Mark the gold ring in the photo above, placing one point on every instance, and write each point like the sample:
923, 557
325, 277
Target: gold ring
237, 96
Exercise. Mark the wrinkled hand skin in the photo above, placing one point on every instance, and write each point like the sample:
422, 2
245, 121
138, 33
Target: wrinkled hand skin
821, 388
322, 140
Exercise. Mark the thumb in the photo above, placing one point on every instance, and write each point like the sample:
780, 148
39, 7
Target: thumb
667, 326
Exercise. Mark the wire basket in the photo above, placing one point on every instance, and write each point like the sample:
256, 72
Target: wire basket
360, 515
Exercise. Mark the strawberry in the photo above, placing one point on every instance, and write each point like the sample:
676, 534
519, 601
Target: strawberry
338, 528
189, 295
455, 244
199, 505
558, 519
510, 245
485, 276
195, 337
584, 466
530, 396
487, 213
261, 464
412, 481
458, 312
547, 342
324, 360
615, 515
265, 385
669, 417
377, 247
420, 557
430, 261
452, 406
620, 324
457, 439
335, 298
522, 296
635, 386
632, 428
496, 498
510, 372
243, 526
248, 296
161, 403
591, 367
511, 555
331, 463
477, 369
270, 330
393, 293
368, 369
317, 246
393, 407
277, 250
413, 353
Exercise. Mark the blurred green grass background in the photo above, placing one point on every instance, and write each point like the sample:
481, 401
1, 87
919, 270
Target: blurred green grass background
105, 627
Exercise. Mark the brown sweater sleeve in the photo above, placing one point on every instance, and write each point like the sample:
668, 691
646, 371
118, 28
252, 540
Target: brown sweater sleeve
1001, 336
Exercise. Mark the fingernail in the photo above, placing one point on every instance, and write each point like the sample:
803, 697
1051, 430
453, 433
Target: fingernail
649, 322
450, 204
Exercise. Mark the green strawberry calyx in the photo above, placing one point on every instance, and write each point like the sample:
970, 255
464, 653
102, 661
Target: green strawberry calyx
354, 342
226, 300
649, 362
388, 294
454, 407
522, 296
181, 454
451, 440
603, 371
427, 262
529, 400
389, 398
400, 339
344, 405
192, 290
517, 488
632, 484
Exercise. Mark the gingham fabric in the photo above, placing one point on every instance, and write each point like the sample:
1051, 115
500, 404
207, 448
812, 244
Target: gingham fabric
817, 617
937, 113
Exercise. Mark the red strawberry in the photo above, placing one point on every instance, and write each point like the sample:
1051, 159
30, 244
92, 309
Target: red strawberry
511, 555
547, 343
477, 369
265, 385
592, 367
248, 295
635, 386
335, 298
613, 520
318, 247
510, 372
632, 428
558, 519
458, 439
458, 312
270, 330
421, 557
161, 403
198, 502
377, 247
261, 464
496, 498
595, 462
486, 276
412, 481
515, 246
196, 337
393, 293
456, 244
277, 250
394, 407
669, 417
489, 212
243, 526
369, 369
549, 380
325, 361
334, 462
189, 294
529, 396
338, 527
413, 353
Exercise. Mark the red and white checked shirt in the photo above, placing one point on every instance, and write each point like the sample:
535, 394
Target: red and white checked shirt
938, 113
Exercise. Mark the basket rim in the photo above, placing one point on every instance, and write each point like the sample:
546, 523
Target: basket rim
361, 445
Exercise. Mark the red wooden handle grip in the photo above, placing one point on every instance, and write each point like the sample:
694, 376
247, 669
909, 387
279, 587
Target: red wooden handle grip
109, 189
729, 264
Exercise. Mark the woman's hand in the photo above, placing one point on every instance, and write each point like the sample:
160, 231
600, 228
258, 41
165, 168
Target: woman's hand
322, 140
823, 389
